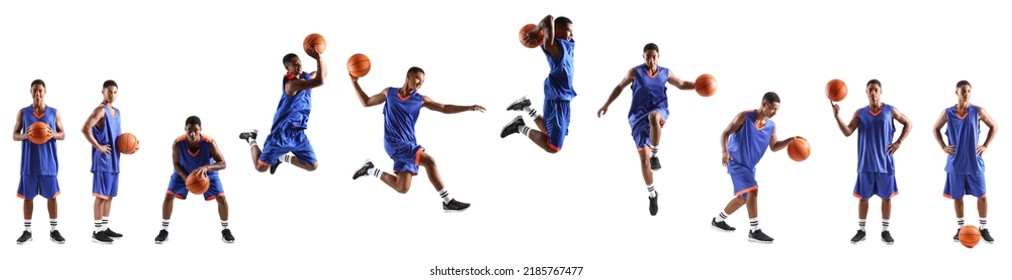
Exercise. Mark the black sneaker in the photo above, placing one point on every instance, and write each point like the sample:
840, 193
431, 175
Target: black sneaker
25, 237
363, 170
274, 166
248, 135
887, 238
721, 226
986, 235
519, 104
112, 234
226, 235
759, 237
955, 238
655, 163
100, 237
455, 206
54, 235
512, 127
860, 236
163, 236
653, 204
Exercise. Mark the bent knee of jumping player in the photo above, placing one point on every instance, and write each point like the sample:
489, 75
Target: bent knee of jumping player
655, 117
261, 166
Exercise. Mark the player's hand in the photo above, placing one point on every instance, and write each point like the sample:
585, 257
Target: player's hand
353, 78
894, 146
836, 108
532, 35
725, 158
312, 52
477, 108
202, 171
949, 150
602, 111
981, 149
105, 149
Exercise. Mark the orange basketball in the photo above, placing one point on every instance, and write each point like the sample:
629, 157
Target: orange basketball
531, 42
836, 90
314, 41
969, 236
38, 133
359, 65
197, 184
799, 149
706, 85
127, 143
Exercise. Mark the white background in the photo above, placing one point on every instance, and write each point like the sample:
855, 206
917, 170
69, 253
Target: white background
585, 206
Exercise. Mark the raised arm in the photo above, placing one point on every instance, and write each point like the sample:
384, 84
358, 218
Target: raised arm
175, 162
735, 125
368, 101
95, 117
776, 144
626, 81
447, 108
547, 25
295, 85
937, 131
59, 134
992, 127
18, 126
679, 83
847, 129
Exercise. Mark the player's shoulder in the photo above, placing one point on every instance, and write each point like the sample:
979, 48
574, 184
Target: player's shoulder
206, 139
180, 139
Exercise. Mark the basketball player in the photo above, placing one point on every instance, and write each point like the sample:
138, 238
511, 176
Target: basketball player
39, 164
558, 48
195, 153
744, 143
876, 175
648, 112
102, 129
965, 166
287, 141
400, 110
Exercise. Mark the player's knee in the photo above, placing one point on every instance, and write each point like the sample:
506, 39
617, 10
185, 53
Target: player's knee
262, 168
313, 167
982, 199
654, 117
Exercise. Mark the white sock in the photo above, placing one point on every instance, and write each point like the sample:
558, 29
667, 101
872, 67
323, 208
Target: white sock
959, 221
165, 224
885, 225
531, 112
252, 143
651, 192
375, 172
28, 225
224, 224
721, 216
653, 150
754, 222
983, 222
105, 223
98, 226
860, 224
52, 224
287, 158
445, 195
525, 130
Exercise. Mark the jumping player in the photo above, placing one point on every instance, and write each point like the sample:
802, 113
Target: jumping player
287, 141
102, 129
39, 164
558, 48
965, 166
648, 112
195, 153
876, 175
744, 143
400, 110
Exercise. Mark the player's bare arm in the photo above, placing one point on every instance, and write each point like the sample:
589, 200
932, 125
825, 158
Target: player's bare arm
428, 103
547, 25
295, 85
776, 144
847, 129
907, 126
735, 125
992, 129
18, 125
368, 101
96, 116
679, 83
937, 131
59, 134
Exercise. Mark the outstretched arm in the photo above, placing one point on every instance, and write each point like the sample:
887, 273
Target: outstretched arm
735, 125
18, 125
907, 126
59, 134
937, 131
175, 162
368, 101
447, 108
295, 85
777, 145
679, 83
847, 129
96, 116
628, 79
992, 127
547, 25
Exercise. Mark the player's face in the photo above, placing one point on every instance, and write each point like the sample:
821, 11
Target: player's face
963, 93
109, 93
650, 58
415, 81
874, 92
770, 109
294, 66
192, 133
38, 93
564, 32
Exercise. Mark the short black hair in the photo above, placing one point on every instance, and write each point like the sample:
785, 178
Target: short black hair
873, 81
193, 120
963, 82
651, 47
771, 97
39, 82
414, 70
288, 58
562, 21
109, 83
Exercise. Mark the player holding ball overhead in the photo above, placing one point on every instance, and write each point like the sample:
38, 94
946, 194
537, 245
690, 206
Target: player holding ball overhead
876, 173
287, 141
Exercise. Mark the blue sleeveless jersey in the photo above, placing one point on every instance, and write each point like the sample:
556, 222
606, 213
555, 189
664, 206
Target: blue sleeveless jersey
293, 111
649, 93
38, 159
874, 134
106, 135
401, 116
963, 133
191, 160
559, 84
748, 144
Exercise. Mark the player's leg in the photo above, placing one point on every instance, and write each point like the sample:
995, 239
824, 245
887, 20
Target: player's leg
742, 183
449, 203
863, 190
517, 125
101, 189
303, 156
752, 205
27, 190
50, 189
656, 120
955, 188
250, 136
216, 192
648, 177
176, 190
886, 189
977, 188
